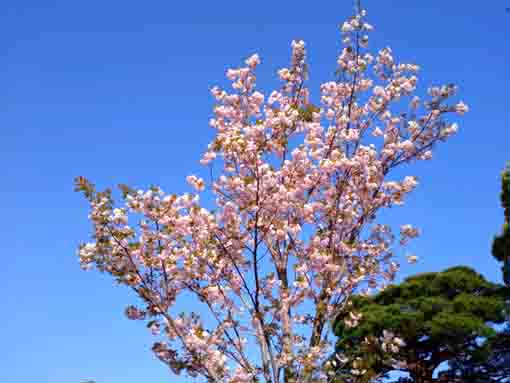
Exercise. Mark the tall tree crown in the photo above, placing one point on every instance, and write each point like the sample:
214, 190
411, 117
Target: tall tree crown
501, 243
297, 188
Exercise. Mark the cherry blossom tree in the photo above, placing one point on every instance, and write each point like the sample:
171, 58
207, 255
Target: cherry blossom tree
294, 230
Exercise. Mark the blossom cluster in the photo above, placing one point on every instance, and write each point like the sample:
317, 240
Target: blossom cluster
295, 228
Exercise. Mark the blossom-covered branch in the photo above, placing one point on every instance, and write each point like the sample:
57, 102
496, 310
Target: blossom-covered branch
294, 230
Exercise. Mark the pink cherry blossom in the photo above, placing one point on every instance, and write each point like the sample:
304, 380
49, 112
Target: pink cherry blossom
297, 189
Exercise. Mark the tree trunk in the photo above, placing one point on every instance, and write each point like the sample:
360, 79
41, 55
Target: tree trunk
422, 374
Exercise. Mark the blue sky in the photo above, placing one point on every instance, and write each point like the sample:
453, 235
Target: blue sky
119, 92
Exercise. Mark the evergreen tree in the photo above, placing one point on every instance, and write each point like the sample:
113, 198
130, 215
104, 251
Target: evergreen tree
442, 318
501, 243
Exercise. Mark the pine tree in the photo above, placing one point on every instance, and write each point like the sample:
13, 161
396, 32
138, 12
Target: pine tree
439, 318
501, 243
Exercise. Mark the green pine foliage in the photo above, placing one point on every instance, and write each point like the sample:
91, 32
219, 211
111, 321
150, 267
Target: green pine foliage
442, 317
501, 243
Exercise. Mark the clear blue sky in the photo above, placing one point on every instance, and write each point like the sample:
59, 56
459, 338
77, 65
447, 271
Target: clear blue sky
118, 91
